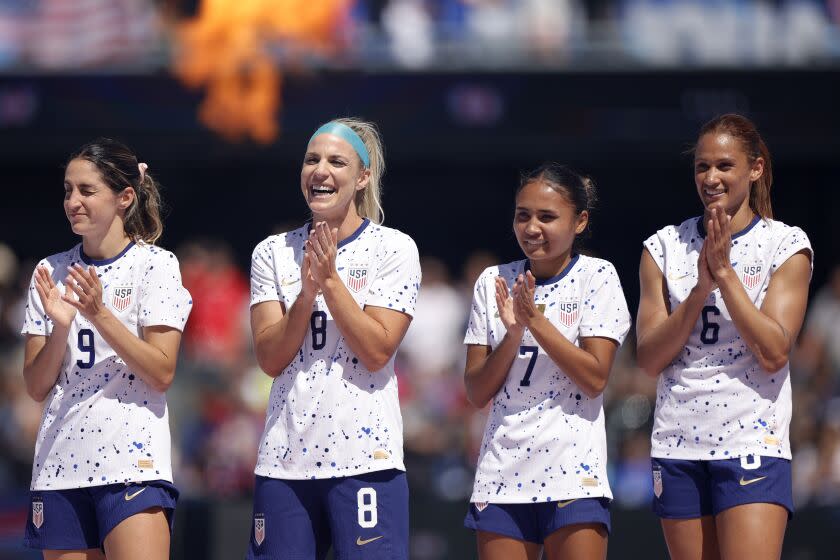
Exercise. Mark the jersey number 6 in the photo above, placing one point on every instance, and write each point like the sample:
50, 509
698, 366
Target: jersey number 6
709, 334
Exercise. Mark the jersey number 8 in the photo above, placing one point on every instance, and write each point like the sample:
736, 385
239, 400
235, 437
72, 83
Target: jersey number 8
318, 324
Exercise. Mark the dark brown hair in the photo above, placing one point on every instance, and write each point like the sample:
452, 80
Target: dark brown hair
119, 169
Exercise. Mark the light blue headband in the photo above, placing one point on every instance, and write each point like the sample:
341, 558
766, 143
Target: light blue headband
347, 134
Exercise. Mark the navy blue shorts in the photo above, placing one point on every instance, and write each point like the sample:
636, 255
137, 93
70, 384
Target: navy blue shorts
535, 522
81, 518
363, 516
689, 489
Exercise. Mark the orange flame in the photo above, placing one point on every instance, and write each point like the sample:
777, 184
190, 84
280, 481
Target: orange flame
226, 49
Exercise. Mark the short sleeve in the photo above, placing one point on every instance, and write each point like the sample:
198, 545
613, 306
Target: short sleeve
35, 320
795, 240
656, 247
605, 312
477, 332
398, 279
263, 276
164, 301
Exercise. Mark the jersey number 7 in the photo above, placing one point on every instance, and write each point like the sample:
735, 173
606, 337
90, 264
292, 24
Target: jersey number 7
534, 351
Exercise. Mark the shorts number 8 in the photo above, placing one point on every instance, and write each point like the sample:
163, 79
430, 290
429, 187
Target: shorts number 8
366, 498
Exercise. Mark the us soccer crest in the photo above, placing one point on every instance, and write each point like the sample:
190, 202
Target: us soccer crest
568, 312
357, 278
259, 529
751, 275
657, 483
37, 513
122, 297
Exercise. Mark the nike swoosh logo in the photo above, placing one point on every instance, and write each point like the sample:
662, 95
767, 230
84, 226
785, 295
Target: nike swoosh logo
675, 277
564, 503
361, 542
746, 482
287, 282
129, 497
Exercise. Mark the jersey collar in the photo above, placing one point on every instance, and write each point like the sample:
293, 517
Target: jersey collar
348, 239
87, 260
701, 227
554, 279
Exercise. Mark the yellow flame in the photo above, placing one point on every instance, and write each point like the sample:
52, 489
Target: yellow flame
225, 49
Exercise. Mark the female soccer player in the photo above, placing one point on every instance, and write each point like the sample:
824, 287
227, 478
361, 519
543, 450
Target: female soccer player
103, 324
722, 299
330, 303
542, 354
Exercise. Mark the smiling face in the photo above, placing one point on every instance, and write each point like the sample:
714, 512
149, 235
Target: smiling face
331, 175
546, 223
91, 206
723, 173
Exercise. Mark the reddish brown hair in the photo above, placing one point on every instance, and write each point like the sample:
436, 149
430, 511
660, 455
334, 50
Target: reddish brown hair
743, 129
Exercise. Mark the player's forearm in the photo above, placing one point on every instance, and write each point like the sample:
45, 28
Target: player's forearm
766, 338
484, 379
278, 344
150, 363
659, 344
584, 369
366, 337
41, 373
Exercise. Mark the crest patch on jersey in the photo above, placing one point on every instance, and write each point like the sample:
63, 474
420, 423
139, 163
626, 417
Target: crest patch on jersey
751, 275
122, 297
259, 528
657, 483
37, 513
568, 312
357, 278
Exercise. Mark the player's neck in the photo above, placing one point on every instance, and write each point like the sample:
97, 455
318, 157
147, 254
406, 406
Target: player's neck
346, 225
106, 246
740, 219
544, 269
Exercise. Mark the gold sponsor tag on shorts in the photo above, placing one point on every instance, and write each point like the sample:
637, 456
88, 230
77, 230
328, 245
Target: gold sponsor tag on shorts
145, 463
380, 454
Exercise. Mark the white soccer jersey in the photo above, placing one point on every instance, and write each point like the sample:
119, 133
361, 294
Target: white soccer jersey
714, 401
102, 423
328, 416
544, 438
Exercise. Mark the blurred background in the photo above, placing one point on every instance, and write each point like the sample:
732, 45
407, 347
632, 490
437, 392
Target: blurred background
220, 97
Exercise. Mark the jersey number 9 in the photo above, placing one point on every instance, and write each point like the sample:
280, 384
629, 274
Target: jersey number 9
85, 344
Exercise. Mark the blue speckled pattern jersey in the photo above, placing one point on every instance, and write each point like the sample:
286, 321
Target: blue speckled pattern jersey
544, 439
103, 424
714, 401
328, 416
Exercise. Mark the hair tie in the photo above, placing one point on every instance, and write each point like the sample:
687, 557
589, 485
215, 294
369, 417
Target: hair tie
348, 135
142, 167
